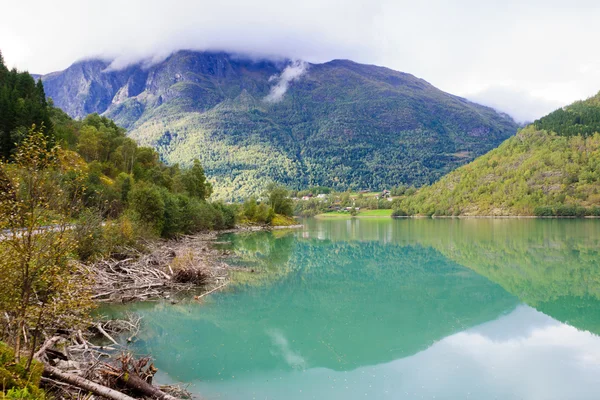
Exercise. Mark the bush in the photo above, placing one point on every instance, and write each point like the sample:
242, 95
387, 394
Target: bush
174, 218
569, 211
257, 213
249, 208
282, 220
544, 211
147, 204
199, 216
560, 211
594, 211
228, 213
399, 213
88, 234
15, 380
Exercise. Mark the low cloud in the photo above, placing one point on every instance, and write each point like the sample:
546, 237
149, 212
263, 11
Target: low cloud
292, 72
461, 47
519, 104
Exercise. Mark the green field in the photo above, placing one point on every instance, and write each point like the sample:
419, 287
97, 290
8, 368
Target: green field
361, 214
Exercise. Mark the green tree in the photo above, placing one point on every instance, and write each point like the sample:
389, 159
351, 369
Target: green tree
279, 200
195, 183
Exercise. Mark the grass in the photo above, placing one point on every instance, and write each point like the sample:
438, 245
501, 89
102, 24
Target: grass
361, 214
375, 213
282, 220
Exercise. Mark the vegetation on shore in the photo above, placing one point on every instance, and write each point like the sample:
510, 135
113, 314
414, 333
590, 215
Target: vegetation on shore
550, 168
82, 190
359, 214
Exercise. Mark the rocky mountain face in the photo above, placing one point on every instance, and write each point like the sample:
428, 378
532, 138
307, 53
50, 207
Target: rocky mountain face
338, 124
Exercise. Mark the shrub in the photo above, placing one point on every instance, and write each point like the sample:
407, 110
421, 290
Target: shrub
282, 220
118, 234
594, 211
199, 216
16, 380
174, 220
228, 213
249, 208
148, 206
88, 235
399, 213
543, 211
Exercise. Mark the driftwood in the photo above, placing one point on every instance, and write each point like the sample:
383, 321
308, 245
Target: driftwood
106, 335
167, 268
77, 381
47, 344
141, 386
88, 368
135, 375
210, 291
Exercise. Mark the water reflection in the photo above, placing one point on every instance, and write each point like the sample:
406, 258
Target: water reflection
336, 305
552, 265
395, 309
524, 355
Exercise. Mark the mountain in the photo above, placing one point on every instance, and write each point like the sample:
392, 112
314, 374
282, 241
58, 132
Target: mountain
338, 124
550, 168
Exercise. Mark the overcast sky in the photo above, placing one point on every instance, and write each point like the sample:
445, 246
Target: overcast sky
523, 57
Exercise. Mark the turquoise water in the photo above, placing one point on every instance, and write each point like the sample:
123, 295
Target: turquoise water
393, 309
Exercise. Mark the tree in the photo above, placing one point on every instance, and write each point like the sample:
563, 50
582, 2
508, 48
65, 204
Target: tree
41, 288
194, 182
279, 200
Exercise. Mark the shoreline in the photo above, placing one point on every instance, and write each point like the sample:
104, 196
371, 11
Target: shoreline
490, 217
189, 263
340, 217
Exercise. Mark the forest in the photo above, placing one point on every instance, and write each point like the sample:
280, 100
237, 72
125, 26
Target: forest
549, 169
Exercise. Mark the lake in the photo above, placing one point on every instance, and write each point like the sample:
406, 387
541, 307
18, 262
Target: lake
393, 309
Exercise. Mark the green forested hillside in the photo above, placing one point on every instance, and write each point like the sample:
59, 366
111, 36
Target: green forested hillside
580, 118
339, 124
550, 168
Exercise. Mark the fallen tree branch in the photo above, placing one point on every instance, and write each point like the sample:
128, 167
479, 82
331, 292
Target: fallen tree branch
106, 335
47, 344
82, 383
149, 286
211, 291
136, 383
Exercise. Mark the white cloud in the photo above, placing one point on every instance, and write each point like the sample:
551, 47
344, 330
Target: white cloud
289, 74
540, 49
516, 102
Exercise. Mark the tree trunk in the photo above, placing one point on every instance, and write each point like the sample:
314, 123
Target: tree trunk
134, 382
52, 372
